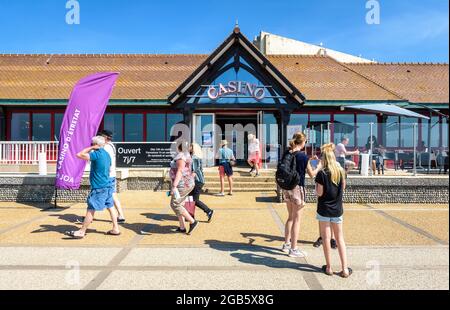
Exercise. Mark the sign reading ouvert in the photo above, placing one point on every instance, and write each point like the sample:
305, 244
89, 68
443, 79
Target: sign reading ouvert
144, 155
236, 88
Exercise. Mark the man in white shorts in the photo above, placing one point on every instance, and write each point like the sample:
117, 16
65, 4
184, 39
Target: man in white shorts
341, 152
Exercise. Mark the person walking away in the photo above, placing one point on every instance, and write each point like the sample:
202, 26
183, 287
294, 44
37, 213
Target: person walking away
330, 187
341, 153
225, 156
111, 150
295, 198
254, 154
197, 171
182, 184
100, 196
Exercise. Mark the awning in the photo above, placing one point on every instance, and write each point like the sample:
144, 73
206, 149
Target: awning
388, 109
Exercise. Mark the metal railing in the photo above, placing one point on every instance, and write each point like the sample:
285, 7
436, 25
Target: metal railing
27, 152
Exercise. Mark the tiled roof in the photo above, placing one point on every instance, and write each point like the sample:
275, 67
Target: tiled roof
419, 83
141, 76
323, 78
157, 76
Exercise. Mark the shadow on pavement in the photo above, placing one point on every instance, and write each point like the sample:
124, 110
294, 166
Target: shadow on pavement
269, 238
255, 255
267, 199
62, 229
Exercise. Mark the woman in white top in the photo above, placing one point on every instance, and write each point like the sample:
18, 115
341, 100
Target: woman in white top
254, 154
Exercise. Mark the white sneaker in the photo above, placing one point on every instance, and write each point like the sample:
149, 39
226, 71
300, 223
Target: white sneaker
220, 195
286, 247
297, 253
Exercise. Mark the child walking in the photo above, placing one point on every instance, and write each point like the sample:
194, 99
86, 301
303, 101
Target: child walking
330, 186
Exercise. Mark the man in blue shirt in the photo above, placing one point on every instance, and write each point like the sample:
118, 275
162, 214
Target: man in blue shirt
100, 196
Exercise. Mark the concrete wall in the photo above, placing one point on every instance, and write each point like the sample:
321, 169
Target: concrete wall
271, 44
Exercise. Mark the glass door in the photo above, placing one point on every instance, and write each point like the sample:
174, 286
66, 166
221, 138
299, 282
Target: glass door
203, 134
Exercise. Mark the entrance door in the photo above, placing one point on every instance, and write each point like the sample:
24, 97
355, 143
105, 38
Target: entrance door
235, 129
203, 133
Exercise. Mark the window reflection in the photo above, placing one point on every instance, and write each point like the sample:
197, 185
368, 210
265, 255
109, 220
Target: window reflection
363, 122
114, 123
172, 120
20, 127
41, 127
134, 127
156, 127
344, 126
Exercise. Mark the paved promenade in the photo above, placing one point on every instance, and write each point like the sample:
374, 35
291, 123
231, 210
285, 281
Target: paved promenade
390, 247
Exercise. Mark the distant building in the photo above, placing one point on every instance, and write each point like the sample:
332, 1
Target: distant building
272, 44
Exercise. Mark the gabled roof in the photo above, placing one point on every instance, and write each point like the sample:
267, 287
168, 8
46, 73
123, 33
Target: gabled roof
237, 37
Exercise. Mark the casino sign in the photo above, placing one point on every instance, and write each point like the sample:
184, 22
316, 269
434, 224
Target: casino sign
238, 88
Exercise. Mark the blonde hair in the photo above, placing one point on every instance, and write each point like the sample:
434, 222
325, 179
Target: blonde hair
330, 163
196, 150
99, 140
297, 139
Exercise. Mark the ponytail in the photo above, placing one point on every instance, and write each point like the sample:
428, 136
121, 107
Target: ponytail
298, 139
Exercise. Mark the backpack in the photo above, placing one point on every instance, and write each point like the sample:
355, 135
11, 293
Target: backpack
287, 176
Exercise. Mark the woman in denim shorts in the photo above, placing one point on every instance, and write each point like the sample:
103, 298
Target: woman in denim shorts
330, 186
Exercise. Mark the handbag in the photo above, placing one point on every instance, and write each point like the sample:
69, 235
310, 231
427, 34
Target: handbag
189, 205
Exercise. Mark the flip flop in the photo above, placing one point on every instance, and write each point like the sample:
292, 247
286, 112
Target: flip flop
324, 269
343, 275
72, 235
112, 233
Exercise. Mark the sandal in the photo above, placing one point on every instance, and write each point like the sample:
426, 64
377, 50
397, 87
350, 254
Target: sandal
324, 270
72, 235
342, 274
113, 233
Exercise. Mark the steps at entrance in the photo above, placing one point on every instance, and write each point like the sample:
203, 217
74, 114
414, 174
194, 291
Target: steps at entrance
242, 181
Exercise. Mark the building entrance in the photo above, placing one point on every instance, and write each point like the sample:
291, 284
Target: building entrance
235, 129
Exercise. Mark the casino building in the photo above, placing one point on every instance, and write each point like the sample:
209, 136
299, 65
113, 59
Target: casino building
236, 84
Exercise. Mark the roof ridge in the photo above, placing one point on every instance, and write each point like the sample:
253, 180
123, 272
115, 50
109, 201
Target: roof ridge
399, 63
296, 56
371, 80
100, 55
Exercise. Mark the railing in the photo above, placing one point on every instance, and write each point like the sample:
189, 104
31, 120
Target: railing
27, 153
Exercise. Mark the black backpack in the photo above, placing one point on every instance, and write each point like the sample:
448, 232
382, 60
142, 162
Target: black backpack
287, 176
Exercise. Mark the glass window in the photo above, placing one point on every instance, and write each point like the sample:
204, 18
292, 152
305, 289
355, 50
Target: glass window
445, 132
156, 127
363, 129
172, 120
407, 131
272, 144
114, 123
320, 123
58, 123
41, 127
203, 129
344, 126
20, 127
434, 131
299, 120
134, 127
392, 131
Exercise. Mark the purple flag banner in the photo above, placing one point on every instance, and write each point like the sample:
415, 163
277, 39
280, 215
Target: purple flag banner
83, 116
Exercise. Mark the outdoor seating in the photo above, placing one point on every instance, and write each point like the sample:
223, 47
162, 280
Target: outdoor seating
406, 160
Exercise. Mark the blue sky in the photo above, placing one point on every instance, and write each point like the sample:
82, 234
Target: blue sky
410, 30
